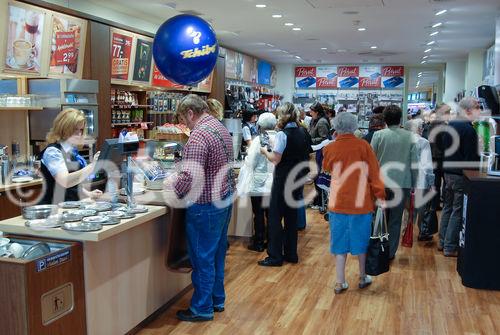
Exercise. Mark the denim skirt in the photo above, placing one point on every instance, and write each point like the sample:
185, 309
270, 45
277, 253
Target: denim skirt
349, 233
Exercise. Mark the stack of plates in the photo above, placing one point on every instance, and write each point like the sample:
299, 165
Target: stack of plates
100, 206
81, 226
102, 220
70, 204
84, 212
53, 221
137, 209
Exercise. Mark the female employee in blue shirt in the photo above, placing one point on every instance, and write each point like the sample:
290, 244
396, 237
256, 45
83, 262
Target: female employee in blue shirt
63, 169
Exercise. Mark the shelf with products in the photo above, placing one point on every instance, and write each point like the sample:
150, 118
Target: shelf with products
248, 96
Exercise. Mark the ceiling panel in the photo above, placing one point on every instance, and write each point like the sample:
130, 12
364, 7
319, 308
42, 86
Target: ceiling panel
399, 28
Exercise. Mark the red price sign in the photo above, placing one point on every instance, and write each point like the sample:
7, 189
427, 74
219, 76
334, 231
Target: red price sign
65, 53
121, 47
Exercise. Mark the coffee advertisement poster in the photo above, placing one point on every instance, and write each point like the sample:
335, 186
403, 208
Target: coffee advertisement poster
24, 39
121, 49
142, 60
67, 45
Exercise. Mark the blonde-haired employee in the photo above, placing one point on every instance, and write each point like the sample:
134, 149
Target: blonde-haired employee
62, 167
215, 109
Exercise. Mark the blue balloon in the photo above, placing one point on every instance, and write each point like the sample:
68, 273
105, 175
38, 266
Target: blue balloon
185, 49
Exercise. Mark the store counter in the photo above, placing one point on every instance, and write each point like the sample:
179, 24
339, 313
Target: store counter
126, 279
480, 233
27, 192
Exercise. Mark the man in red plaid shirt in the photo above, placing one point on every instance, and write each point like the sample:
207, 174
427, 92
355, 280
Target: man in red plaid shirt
205, 180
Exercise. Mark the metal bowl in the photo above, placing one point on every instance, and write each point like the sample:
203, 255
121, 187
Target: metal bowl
95, 219
111, 221
70, 204
84, 212
99, 206
137, 209
42, 224
113, 214
39, 211
81, 226
36, 250
71, 217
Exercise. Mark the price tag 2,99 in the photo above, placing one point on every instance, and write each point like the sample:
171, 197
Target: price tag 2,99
65, 53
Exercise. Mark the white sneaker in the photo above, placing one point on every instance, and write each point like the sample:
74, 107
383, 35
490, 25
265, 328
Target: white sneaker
340, 287
365, 281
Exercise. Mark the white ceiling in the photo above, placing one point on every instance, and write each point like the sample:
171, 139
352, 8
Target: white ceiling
399, 28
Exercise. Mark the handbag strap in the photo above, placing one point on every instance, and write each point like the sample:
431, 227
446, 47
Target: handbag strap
380, 223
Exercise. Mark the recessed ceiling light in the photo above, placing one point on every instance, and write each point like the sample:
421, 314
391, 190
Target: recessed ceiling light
419, 75
423, 62
297, 29
428, 50
441, 12
425, 57
439, 24
341, 50
277, 16
297, 57
434, 33
260, 6
324, 48
373, 47
361, 29
289, 24
270, 45
431, 42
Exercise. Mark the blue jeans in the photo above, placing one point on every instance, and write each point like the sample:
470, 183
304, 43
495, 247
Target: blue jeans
206, 230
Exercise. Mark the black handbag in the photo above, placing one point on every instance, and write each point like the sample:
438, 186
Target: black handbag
377, 258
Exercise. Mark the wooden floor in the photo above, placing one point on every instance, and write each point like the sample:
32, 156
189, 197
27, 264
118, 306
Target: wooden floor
422, 294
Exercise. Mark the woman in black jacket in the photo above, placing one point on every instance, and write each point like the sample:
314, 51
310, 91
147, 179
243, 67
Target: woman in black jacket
319, 129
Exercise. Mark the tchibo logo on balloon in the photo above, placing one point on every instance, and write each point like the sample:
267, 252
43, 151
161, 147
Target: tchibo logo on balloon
196, 52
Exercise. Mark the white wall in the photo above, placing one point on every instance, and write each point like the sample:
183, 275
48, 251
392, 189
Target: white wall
474, 73
454, 80
285, 81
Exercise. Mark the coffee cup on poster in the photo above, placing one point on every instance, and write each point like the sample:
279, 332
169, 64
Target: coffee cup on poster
23, 51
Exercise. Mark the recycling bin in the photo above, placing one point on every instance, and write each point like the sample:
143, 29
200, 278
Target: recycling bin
42, 290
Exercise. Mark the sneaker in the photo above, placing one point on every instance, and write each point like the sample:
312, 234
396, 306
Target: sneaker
340, 287
218, 309
440, 247
365, 281
188, 315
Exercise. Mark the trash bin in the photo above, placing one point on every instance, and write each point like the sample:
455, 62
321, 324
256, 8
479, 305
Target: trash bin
42, 291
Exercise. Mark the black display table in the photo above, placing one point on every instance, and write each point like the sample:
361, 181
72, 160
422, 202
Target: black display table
478, 259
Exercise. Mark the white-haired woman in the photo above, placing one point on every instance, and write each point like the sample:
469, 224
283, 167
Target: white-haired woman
256, 178
427, 218
355, 184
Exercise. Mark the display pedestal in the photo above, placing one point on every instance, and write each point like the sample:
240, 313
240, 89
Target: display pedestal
480, 234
